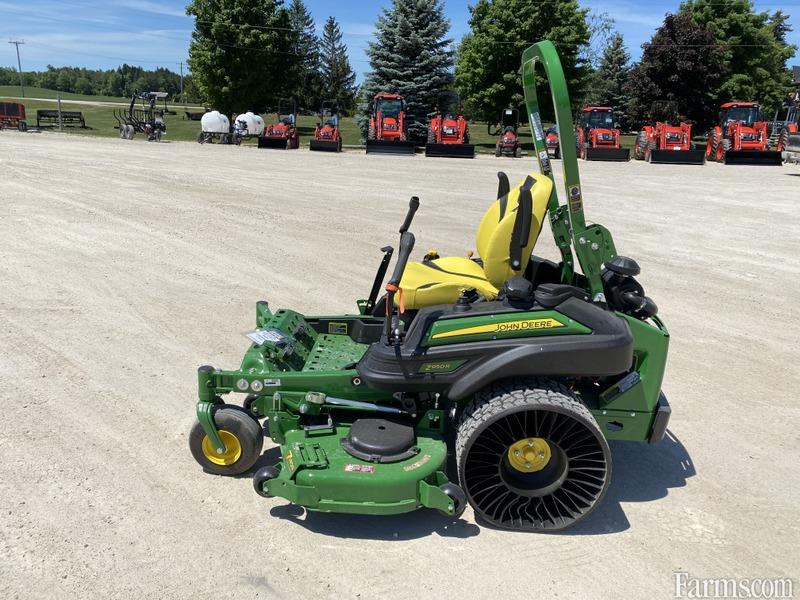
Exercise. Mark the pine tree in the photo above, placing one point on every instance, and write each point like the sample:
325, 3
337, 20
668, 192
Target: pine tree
611, 78
336, 75
307, 91
410, 57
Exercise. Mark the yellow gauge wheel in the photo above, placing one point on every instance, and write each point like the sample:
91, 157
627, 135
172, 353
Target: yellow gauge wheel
529, 455
233, 449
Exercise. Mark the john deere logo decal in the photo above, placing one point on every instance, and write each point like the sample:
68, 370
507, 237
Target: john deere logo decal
508, 327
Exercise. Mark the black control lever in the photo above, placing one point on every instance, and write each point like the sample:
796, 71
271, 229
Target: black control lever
413, 205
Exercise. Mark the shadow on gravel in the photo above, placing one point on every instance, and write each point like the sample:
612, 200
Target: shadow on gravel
641, 473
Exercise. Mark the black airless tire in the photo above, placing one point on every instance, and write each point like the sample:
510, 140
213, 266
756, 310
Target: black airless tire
531, 456
240, 433
457, 495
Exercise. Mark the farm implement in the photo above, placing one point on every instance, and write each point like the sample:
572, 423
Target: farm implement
147, 119
12, 116
327, 137
448, 130
741, 137
668, 139
388, 129
520, 367
508, 144
283, 134
599, 136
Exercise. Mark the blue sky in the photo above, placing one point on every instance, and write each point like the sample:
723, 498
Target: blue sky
156, 32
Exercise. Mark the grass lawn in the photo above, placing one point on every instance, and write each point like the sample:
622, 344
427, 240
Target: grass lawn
100, 121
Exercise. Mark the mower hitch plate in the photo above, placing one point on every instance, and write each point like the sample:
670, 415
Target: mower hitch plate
611, 154
280, 143
450, 150
387, 147
753, 157
678, 157
323, 146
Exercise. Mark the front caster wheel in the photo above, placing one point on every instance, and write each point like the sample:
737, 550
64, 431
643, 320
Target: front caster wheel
262, 476
457, 495
531, 456
241, 435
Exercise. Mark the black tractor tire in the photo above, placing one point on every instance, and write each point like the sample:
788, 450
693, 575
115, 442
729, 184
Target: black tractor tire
237, 427
651, 145
783, 141
497, 151
263, 475
518, 152
431, 136
557, 153
22, 126
539, 416
726, 145
371, 133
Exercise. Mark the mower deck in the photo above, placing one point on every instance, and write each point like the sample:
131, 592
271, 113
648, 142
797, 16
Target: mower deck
450, 150
753, 157
387, 147
678, 157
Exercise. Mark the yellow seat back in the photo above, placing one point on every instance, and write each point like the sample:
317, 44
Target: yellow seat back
493, 240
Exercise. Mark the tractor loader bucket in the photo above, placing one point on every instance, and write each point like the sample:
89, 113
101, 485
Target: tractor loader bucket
323, 146
280, 143
387, 147
450, 150
678, 157
612, 154
753, 157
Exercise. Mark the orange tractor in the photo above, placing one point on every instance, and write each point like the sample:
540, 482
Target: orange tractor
508, 144
448, 130
668, 139
12, 115
598, 135
327, 137
388, 129
741, 137
283, 134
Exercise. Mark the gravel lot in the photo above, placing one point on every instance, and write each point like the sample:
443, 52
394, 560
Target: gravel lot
125, 265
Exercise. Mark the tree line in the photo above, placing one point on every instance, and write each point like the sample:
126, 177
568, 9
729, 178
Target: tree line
122, 81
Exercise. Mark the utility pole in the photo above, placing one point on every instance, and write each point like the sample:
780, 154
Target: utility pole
19, 64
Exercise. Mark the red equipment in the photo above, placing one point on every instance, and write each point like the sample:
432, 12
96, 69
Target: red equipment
12, 114
508, 144
448, 130
282, 134
327, 137
388, 129
598, 136
551, 142
741, 137
668, 141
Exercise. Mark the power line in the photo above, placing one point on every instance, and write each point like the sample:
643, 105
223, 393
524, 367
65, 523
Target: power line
19, 64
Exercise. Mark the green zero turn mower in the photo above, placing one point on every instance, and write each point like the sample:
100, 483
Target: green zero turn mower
520, 367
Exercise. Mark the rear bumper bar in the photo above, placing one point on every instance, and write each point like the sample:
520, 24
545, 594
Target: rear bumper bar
678, 157
661, 420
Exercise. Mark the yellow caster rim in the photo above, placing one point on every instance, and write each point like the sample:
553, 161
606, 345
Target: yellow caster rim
233, 449
529, 455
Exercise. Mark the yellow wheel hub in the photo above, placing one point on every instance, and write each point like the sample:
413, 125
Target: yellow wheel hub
529, 455
233, 449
